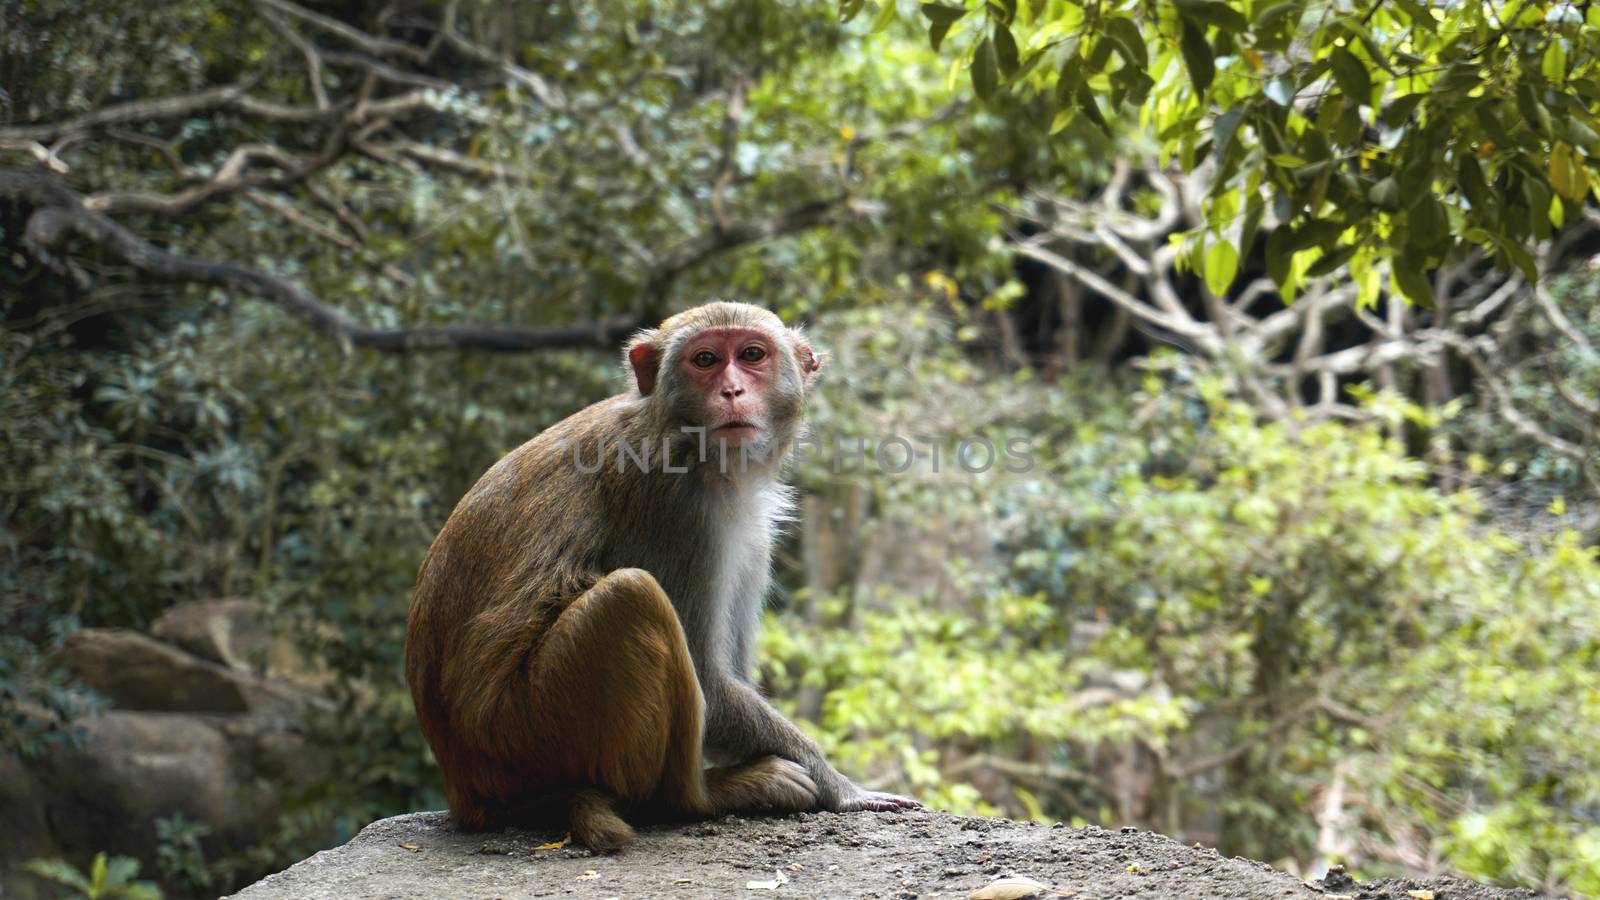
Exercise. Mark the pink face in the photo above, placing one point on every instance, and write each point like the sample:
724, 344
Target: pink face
733, 369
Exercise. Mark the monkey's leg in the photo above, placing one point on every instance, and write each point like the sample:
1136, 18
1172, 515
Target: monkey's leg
769, 784
617, 694
611, 697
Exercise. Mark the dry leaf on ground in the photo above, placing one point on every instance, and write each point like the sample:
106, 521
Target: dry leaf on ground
1014, 887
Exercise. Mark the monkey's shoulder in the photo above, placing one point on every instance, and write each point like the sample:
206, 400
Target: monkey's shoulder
551, 451
542, 479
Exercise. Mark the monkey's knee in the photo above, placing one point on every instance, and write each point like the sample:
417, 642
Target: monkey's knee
632, 594
622, 702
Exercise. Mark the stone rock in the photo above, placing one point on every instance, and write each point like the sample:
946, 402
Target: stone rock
913, 854
185, 735
135, 767
230, 632
236, 634
137, 672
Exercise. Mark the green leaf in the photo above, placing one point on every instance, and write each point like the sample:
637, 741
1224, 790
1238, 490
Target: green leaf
1005, 50
1554, 64
940, 18
58, 871
1411, 283
1469, 177
1197, 57
1457, 80
1567, 174
940, 12
1254, 210
1351, 75
1400, 108
849, 9
1091, 108
1279, 255
1532, 108
1269, 17
1221, 265
1100, 53
1420, 16
1517, 254
1314, 233
1129, 42
1331, 260
1224, 130
886, 12
985, 74
1385, 194
97, 873
1375, 50
1579, 133
1068, 80
1280, 90
1538, 195
1428, 228
121, 870
1212, 12
1135, 82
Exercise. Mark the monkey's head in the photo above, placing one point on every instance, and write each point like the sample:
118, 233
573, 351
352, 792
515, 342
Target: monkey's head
731, 368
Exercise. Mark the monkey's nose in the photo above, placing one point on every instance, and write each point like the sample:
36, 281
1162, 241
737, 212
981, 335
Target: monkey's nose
731, 392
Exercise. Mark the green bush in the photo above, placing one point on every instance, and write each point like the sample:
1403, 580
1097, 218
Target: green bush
107, 879
1282, 607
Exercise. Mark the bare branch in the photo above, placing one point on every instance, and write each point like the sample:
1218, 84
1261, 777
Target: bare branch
231, 96
1547, 305
1185, 326
312, 57
542, 90
728, 165
448, 160
375, 45
59, 211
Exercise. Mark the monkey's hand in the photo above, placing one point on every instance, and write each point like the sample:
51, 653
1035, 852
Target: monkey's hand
856, 798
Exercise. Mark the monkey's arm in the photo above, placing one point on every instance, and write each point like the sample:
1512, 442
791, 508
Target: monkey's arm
741, 723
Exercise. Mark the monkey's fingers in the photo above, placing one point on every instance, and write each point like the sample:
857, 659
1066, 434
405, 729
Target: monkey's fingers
879, 801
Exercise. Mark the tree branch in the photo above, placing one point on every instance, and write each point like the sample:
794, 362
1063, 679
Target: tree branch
59, 211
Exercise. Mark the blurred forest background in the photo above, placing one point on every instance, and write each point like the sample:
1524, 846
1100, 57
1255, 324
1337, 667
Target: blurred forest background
1296, 304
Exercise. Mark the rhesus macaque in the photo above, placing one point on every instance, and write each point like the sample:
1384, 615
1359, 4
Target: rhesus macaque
582, 632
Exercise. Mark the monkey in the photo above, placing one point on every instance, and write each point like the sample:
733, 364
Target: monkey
581, 637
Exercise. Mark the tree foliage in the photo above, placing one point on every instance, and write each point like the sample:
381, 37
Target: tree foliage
1373, 136
1275, 615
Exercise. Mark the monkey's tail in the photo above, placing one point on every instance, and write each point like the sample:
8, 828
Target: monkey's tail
595, 822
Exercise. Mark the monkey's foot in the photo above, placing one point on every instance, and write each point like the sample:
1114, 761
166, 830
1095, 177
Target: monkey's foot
765, 785
874, 801
596, 824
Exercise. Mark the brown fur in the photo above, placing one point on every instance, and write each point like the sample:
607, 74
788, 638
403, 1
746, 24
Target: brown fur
569, 628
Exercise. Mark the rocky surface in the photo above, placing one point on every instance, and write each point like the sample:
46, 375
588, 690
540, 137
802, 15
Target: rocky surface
910, 855
229, 631
185, 734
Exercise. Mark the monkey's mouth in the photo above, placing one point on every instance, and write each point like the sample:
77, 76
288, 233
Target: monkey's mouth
736, 427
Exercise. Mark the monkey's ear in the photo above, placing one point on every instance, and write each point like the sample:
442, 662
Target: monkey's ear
810, 361
645, 358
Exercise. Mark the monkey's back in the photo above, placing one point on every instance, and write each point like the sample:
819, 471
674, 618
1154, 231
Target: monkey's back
519, 547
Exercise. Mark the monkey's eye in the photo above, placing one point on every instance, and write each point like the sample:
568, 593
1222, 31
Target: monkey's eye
705, 359
753, 353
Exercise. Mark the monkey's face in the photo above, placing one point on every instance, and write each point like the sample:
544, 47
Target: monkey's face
736, 378
731, 369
